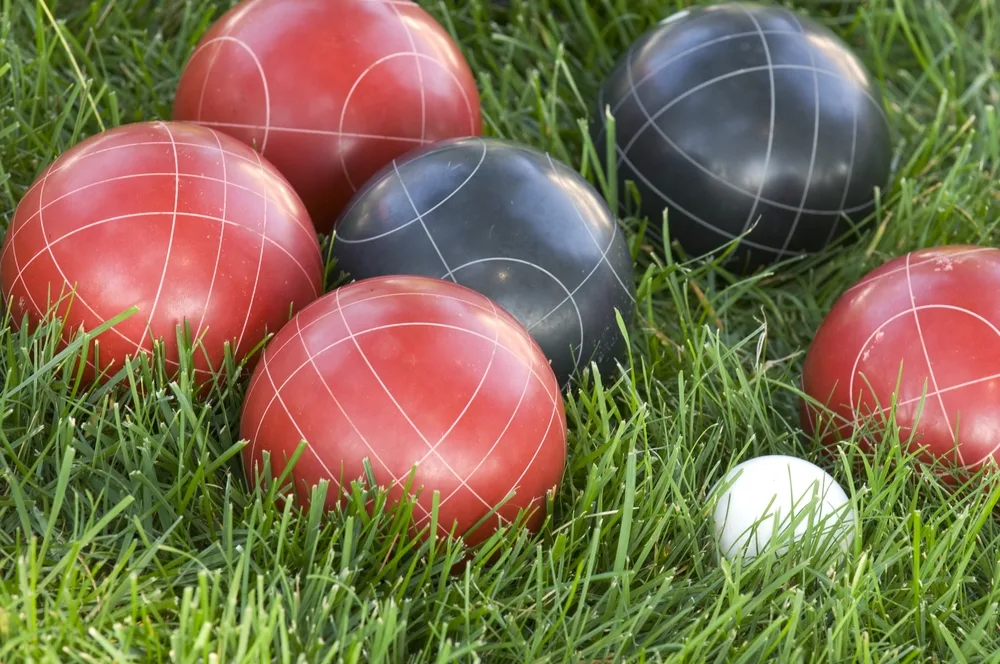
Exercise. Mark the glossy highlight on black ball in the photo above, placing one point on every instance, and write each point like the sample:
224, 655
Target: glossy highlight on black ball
738, 116
520, 227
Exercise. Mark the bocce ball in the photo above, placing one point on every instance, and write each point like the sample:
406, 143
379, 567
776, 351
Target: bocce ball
508, 221
329, 90
417, 375
737, 116
779, 500
187, 225
920, 335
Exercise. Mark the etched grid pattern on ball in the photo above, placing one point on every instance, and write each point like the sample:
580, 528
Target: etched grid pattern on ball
178, 149
758, 197
934, 395
339, 133
448, 271
341, 309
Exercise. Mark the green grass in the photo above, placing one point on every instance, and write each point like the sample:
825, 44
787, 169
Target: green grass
127, 532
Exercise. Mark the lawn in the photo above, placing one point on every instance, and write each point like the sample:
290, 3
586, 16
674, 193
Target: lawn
128, 532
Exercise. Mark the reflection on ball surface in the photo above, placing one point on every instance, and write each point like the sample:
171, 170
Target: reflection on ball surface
920, 333
414, 374
781, 498
180, 221
508, 221
737, 114
329, 90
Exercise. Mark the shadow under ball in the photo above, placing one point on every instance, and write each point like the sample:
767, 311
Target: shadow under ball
738, 114
510, 222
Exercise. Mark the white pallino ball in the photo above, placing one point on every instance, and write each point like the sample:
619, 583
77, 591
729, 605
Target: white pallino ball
764, 496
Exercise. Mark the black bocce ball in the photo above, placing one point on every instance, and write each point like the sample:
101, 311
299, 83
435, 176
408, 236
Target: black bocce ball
510, 222
738, 115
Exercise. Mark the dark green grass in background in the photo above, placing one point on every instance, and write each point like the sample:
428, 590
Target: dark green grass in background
127, 532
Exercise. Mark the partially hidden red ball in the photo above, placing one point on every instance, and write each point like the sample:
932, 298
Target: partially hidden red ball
330, 91
180, 221
929, 322
417, 375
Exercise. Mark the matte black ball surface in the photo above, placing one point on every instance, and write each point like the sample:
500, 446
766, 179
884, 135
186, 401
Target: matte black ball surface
525, 230
736, 114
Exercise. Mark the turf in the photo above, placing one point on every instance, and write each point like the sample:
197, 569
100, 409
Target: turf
128, 533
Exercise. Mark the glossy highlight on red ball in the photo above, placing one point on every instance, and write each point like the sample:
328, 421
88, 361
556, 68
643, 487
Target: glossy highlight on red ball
417, 375
330, 91
184, 223
927, 321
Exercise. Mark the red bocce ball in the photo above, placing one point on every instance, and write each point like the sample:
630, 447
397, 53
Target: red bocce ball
330, 91
417, 375
182, 222
928, 321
